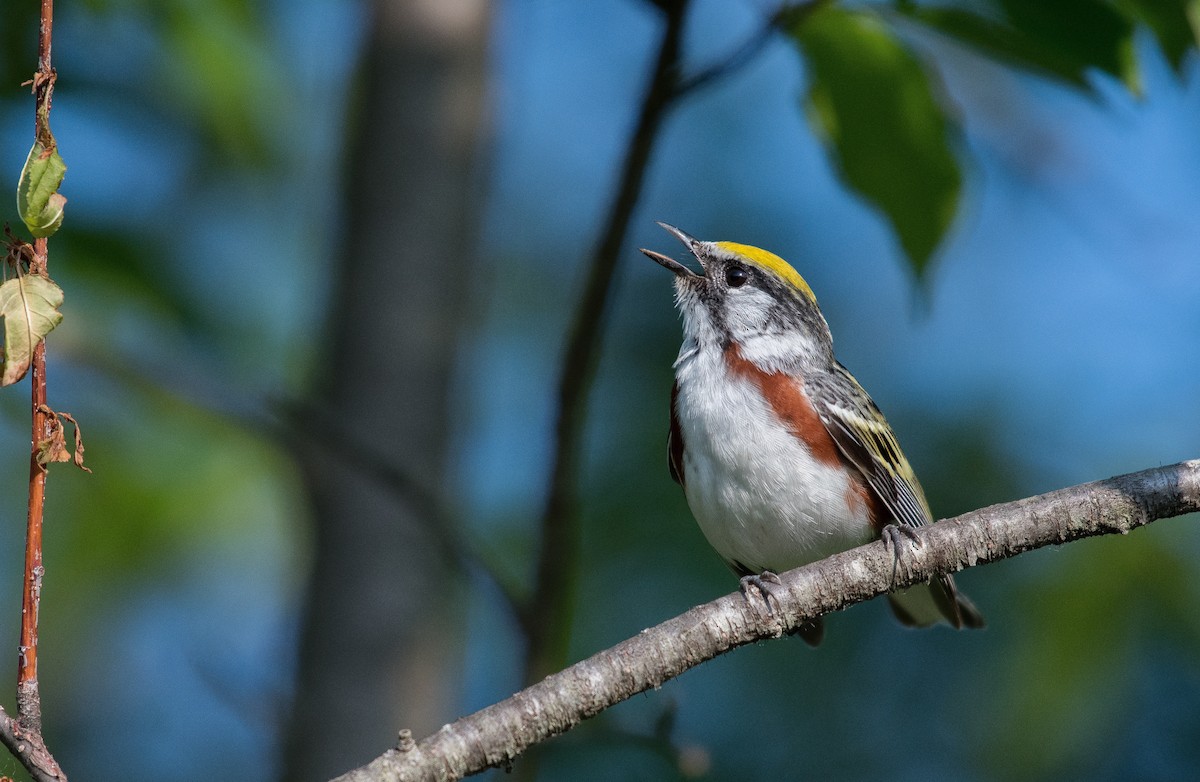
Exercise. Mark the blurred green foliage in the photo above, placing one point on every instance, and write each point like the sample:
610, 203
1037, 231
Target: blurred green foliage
880, 107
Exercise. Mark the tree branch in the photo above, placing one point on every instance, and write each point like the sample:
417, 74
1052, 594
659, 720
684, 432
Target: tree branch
496, 735
787, 14
29, 748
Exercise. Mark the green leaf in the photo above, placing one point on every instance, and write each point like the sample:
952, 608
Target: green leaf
38, 200
29, 305
1173, 22
871, 100
1078, 33
1060, 38
50, 219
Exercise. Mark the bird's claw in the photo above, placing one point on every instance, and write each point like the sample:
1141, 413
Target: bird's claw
893, 535
760, 583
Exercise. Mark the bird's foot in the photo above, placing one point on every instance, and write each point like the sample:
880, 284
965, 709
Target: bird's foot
893, 535
761, 584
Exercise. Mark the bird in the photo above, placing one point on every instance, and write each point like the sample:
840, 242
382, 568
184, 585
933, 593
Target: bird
783, 458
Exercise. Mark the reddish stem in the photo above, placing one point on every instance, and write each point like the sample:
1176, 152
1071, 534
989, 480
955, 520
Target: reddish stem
27, 670
44, 36
28, 700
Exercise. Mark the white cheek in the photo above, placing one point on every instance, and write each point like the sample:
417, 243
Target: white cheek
748, 313
747, 310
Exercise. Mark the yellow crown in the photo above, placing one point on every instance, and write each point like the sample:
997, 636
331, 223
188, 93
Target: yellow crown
771, 262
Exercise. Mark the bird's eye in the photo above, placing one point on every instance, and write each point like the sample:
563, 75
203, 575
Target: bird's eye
736, 276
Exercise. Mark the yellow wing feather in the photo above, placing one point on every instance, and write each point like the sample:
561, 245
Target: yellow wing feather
868, 442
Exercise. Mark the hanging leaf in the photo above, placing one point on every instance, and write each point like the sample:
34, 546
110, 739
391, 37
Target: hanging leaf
1059, 38
871, 100
29, 305
38, 200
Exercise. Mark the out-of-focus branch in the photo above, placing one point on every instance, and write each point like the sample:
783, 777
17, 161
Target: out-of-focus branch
308, 427
547, 618
786, 14
498, 734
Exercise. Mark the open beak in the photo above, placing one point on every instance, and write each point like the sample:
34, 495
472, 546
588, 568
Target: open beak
675, 266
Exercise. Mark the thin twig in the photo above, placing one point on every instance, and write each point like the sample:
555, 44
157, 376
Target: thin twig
498, 734
43, 86
787, 14
23, 735
28, 708
547, 619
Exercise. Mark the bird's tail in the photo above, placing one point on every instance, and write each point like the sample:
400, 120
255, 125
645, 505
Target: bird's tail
939, 600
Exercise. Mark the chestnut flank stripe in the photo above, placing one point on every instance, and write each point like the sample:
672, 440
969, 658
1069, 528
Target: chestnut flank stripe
787, 398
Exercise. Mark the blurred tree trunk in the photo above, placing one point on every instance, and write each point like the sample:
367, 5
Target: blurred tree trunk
380, 638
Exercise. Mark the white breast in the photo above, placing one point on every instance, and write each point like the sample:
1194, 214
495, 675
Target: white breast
759, 496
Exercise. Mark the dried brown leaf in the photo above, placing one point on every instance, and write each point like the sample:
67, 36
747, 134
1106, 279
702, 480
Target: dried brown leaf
54, 447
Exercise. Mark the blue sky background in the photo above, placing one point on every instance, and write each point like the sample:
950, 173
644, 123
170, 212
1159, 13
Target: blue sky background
1055, 335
